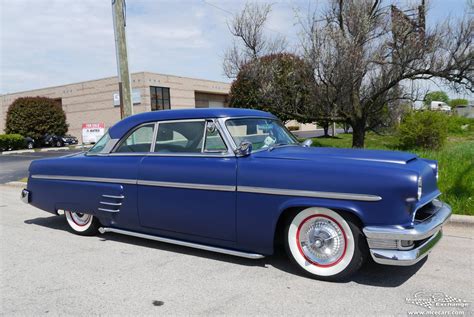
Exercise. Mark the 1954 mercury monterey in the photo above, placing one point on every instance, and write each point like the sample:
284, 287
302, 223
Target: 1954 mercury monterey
237, 181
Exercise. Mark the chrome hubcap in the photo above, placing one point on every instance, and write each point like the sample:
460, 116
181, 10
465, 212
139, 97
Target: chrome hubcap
80, 219
321, 240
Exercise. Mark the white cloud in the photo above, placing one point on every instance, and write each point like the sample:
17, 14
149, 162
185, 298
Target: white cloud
54, 42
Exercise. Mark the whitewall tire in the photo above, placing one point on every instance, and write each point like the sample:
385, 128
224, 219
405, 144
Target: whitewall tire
82, 224
324, 244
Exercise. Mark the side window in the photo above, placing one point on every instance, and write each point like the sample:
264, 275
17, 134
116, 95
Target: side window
139, 141
214, 142
180, 137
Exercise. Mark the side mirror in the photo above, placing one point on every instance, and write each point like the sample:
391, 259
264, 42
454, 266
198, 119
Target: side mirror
307, 142
244, 149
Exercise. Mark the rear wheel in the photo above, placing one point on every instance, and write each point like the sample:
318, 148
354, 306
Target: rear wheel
324, 244
82, 224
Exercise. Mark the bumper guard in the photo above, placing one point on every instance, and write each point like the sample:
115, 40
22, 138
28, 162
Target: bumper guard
428, 230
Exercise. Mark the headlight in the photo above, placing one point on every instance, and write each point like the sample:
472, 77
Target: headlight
420, 187
437, 173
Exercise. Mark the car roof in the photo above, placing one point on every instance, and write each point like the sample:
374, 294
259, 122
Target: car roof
122, 127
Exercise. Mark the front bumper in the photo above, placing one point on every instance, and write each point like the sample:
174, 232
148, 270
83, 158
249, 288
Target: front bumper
385, 242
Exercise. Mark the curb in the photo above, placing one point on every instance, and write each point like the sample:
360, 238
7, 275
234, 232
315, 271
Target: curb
461, 220
15, 184
54, 149
47, 149
17, 152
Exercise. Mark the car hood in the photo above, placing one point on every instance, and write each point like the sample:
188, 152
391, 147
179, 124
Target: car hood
311, 153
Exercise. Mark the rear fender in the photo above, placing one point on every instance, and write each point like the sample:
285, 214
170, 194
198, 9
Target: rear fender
84, 197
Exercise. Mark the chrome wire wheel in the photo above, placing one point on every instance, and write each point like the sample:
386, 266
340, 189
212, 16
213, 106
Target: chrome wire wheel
81, 223
321, 240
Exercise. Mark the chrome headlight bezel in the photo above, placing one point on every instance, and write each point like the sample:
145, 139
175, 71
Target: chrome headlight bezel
420, 187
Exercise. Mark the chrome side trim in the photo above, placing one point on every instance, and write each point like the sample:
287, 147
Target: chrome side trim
113, 196
306, 193
183, 243
87, 179
111, 204
405, 258
108, 210
227, 188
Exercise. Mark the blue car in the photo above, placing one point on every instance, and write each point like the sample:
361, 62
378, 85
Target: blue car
236, 181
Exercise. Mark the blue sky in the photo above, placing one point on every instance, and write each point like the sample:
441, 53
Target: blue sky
53, 42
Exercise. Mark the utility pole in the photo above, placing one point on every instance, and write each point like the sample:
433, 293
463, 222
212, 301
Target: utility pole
125, 88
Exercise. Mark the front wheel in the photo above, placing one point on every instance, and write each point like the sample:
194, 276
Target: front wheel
324, 244
59, 143
82, 224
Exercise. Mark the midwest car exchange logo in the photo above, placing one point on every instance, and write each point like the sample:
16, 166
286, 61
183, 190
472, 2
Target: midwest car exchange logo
431, 300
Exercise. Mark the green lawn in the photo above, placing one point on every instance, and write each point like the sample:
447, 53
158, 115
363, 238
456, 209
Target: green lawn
456, 162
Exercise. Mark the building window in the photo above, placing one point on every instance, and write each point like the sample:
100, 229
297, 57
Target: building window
160, 98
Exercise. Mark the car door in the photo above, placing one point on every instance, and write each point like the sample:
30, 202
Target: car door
188, 184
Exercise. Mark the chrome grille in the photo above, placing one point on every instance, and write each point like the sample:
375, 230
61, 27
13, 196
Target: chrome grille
382, 244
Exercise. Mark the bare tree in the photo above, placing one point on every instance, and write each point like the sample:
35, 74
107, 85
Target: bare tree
362, 51
251, 40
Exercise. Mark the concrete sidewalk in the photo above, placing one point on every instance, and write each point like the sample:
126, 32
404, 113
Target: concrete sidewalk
45, 269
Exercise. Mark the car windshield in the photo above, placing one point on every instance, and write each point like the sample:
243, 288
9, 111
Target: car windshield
262, 133
99, 146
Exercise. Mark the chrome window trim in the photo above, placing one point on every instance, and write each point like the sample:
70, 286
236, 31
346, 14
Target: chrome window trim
227, 188
307, 193
216, 124
153, 139
123, 139
231, 139
229, 153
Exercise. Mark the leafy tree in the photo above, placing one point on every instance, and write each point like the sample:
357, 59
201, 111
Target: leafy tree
435, 96
279, 83
453, 103
36, 116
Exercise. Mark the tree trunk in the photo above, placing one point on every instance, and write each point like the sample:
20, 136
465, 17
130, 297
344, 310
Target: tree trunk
358, 133
326, 128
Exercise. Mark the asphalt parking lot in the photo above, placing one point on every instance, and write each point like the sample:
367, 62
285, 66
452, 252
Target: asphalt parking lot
15, 166
45, 269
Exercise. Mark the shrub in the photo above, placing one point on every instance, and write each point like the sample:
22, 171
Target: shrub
11, 142
460, 125
36, 116
423, 130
